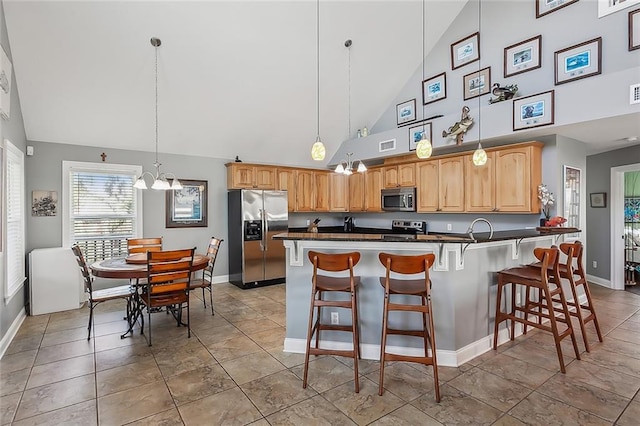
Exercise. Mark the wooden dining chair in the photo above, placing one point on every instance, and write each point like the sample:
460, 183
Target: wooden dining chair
143, 245
96, 297
207, 273
168, 280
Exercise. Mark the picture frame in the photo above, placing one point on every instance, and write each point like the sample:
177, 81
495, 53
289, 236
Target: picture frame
534, 111
434, 88
598, 199
607, 7
465, 51
415, 134
44, 203
187, 207
523, 56
406, 112
634, 30
6, 71
579, 61
544, 7
477, 83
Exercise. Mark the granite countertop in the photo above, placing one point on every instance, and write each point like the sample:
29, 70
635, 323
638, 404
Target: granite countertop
336, 233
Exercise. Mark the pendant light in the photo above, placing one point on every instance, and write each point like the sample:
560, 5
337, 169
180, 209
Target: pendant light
424, 147
479, 155
318, 150
160, 181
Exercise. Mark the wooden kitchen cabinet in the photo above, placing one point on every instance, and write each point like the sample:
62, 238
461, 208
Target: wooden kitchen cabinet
518, 172
250, 176
480, 185
356, 192
451, 184
286, 181
322, 191
312, 191
372, 189
339, 192
400, 175
427, 186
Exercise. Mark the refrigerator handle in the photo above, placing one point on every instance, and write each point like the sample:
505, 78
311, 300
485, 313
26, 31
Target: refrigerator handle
265, 228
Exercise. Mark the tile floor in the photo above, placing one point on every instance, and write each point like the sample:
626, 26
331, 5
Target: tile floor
233, 371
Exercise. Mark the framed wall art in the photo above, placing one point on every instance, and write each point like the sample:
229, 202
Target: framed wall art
544, 7
187, 207
415, 134
634, 30
434, 88
477, 83
6, 70
580, 61
465, 51
533, 111
606, 7
522, 57
406, 112
44, 203
598, 199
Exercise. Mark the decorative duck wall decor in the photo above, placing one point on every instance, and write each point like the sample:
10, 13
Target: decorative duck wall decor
503, 93
460, 127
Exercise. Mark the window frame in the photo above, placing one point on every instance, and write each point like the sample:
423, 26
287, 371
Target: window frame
12, 288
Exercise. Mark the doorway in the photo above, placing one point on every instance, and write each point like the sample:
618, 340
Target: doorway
621, 236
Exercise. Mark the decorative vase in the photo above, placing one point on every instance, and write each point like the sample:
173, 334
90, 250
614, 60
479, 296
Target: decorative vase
543, 222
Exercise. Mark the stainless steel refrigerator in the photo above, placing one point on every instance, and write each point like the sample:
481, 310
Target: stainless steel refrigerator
255, 216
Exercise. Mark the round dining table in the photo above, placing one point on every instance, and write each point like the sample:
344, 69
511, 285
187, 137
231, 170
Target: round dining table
134, 266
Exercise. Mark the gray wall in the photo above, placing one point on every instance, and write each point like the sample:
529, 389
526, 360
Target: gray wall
12, 130
599, 219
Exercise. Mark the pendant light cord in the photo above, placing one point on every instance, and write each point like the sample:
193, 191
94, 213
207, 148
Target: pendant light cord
423, 61
318, 64
349, 101
479, 68
156, 48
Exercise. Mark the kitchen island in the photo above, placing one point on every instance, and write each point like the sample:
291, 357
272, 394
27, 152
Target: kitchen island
464, 279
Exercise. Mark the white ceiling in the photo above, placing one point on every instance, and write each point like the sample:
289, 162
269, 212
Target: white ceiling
235, 77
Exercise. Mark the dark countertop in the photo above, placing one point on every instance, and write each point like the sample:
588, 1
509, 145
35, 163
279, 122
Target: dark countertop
336, 233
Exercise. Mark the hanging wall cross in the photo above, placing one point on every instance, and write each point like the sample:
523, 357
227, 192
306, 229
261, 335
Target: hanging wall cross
104, 157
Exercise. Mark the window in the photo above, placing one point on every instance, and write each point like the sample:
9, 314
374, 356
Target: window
14, 189
101, 208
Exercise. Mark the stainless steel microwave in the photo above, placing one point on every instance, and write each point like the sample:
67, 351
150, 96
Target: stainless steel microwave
399, 200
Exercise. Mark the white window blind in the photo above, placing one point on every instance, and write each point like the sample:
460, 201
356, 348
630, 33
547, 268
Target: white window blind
103, 209
14, 256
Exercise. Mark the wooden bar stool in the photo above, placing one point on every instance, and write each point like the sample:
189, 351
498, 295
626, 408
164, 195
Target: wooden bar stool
334, 262
420, 287
576, 277
534, 277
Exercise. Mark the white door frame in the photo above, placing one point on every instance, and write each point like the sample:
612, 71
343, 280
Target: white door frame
617, 223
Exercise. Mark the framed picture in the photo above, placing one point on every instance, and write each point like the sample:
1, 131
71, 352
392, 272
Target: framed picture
406, 111
606, 7
187, 207
634, 30
477, 83
522, 57
580, 61
44, 203
533, 111
465, 51
544, 7
6, 70
598, 199
434, 88
415, 134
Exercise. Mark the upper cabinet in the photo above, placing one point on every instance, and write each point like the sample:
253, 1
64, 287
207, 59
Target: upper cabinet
251, 176
312, 191
356, 192
480, 185
451, 184
427, 177
286, 181
372, 190
399, 175
518, 174
339, 192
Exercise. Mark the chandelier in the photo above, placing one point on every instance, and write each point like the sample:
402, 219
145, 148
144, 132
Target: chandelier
160, 181
347, 167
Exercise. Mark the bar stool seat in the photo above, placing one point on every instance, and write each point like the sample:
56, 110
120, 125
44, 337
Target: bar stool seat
534, 277
333, 263
408, 265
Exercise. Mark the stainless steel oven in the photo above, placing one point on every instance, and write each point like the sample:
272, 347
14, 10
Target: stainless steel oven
399, 200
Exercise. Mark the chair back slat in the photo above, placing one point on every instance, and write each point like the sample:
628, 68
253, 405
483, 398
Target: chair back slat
549, 258
407, 264
169, 271
84, 270
143, 245
334, 262
212, 251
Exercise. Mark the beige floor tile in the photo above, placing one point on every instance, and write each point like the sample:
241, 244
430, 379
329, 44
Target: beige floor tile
456, 407
617, 346
402, 380
64, 351
64, 336
223, 408
67, 324
13, 381
276, 391
584, 397
122, 356
24, 343
270, 339
199, 383
614, 310
8, 407
630, 416
57, 395
253, 326
251, 367
626, 335
235, 347
604, 378
60, 370
242, 314
17, 361
288, 359
540, 356
213, 335
325, 373
84, 413
537, 409
407, 415
126, 377
365, 366
32, 330
507, 420
166, 418
615, 361
316, 410
112, 341
134, 404
517, 371
182, 358
79, 315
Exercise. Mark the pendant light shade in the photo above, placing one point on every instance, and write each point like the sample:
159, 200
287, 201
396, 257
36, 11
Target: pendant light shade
424, 147
318, 151
479, 156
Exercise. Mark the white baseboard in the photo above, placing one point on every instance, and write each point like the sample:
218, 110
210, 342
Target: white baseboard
600, 281
11, 332
218, 279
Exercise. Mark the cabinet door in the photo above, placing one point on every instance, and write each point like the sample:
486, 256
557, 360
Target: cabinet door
479, 188
390, 177
305, 191
373, 187
287, 182
338, 192
356, 192
513, 180
451, 185
240, 176
321, 191
265, 177
427, 186
407, 175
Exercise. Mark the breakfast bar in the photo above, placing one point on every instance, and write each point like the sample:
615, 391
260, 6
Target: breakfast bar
464, 278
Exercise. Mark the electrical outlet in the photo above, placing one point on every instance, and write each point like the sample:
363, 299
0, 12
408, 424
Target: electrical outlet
449, 227
308, 222
595, 264
335, 318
